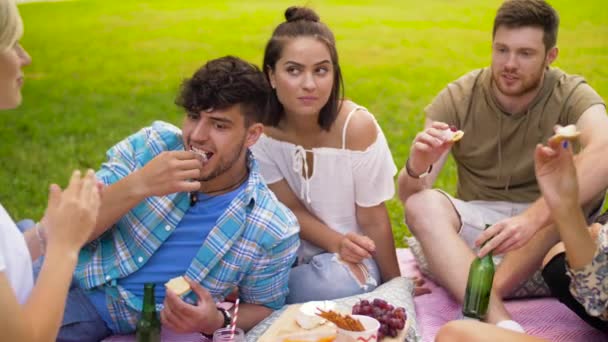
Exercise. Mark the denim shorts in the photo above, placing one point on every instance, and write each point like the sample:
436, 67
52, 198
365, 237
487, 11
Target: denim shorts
326, 277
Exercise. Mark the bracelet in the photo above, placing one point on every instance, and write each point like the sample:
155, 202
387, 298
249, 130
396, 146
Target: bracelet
227, 321
411, 173
41, 239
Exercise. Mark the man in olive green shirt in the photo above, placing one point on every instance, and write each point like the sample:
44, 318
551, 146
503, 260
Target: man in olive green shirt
505, 110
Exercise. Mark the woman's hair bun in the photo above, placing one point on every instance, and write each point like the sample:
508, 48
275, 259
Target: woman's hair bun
294, 13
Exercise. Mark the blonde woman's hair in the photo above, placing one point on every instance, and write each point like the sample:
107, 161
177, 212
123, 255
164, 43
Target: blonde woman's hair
11, 25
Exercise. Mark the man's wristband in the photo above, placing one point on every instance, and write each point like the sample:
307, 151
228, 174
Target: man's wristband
413, 175
226, 323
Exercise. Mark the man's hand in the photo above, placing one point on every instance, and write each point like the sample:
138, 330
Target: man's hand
355, 247
168, 173
507, 235
556, 176
428, 146
182, 317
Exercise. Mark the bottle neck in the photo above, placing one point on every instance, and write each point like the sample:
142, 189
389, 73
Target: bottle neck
149, 299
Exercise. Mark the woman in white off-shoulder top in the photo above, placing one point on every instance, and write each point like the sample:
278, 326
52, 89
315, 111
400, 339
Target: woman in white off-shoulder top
328, 161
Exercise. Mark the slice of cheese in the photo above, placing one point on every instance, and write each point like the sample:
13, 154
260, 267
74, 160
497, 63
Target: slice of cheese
178, 285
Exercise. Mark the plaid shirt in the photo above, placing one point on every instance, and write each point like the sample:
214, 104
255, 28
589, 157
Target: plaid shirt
252, 246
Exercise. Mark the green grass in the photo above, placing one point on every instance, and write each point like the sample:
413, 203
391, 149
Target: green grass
103, 69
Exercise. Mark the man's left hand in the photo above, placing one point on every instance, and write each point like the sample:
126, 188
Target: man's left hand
506, 235
182, 317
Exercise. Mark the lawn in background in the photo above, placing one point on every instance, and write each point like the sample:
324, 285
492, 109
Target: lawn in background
103, 69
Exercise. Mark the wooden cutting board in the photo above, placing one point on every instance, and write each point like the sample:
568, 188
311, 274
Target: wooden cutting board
286, 324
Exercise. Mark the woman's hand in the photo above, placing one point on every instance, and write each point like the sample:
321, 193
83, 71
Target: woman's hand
355, 247
71, 214
556, 174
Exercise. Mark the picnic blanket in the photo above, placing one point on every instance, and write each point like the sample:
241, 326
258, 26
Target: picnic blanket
544, 317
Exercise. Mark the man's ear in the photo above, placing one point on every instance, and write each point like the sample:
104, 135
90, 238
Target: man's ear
551, 56
253, 134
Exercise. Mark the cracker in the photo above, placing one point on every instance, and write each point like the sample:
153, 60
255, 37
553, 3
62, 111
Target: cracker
178, 285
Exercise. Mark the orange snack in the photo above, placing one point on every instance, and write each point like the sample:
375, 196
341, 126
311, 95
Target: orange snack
345, 322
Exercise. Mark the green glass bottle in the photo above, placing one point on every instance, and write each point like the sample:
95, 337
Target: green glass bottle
479, 287
148, 326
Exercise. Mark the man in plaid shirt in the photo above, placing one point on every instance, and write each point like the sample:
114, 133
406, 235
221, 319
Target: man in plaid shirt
187, 202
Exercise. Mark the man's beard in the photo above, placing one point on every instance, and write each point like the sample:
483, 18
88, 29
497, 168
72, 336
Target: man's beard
225, 166
532, 85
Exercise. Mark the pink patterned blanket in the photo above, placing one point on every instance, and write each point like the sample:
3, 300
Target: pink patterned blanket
546, 317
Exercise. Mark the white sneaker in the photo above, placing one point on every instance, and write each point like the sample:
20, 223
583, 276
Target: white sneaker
511, 325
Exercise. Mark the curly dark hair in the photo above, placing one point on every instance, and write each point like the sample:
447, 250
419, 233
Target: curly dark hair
303, 22
536, 13
224, 82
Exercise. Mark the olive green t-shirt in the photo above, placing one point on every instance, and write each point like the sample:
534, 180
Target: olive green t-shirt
495, 158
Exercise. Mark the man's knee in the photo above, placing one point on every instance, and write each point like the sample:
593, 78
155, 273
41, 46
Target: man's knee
424, 207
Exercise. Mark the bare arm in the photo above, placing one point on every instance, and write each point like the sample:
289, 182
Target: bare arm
426, 150
592, 177
30, 323
376, 225
70, 216
557, 178
250, 315
591, 165
167, 173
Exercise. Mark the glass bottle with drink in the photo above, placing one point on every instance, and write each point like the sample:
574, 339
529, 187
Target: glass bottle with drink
479, 287
148, 326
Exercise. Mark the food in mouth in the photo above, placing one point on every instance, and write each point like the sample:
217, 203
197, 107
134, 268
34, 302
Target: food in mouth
203, 156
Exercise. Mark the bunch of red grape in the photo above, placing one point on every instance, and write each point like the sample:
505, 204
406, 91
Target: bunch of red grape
391, 319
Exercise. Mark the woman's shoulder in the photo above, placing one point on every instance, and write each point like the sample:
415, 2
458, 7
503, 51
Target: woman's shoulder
359, 126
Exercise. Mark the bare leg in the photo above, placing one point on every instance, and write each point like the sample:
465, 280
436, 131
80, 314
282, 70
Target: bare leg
555, 250
520, 264
471, 331
432, 219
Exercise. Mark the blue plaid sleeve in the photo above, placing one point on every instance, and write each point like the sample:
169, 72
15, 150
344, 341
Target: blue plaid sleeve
266, 282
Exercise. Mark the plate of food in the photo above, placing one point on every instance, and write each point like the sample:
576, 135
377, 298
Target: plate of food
326, 321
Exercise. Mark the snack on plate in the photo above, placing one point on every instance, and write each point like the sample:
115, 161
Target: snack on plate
452, 134
565, 133
309, 337
391, 319
178, 285
307, 318
345, 322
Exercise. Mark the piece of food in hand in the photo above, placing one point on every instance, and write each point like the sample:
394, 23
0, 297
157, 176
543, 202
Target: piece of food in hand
565, 133
178, 285
307, 315
391, 318
452, 134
